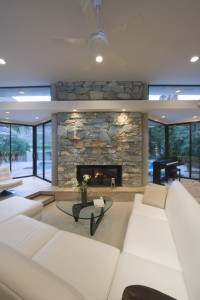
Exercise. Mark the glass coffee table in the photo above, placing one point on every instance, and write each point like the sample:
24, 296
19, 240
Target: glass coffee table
74, 208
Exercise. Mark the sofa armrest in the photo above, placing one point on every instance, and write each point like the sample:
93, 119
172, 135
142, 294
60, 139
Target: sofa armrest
140, 292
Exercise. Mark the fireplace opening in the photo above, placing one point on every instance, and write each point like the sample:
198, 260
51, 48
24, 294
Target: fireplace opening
101, 175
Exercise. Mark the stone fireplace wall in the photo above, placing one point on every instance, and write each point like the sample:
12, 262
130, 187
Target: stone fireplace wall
100, 138
99, 90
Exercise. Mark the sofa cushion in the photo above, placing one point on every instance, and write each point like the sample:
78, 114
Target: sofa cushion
155, 195
183, 212
84, 263
18, 205
147, 210
151, 239
25, 234
22, 278
140, 292
133, 270
7, 294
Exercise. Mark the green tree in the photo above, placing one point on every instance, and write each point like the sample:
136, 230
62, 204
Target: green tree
18, 147
156, 142
179, 140
196, 140
4, 147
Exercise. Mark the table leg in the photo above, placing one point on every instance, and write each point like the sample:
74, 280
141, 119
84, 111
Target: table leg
94, 224
76, 208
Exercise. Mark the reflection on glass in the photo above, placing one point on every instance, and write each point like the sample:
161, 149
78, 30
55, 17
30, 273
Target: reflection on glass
174, 92
25, 94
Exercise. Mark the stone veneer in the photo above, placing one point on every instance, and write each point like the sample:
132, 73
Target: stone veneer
99, 90
100, 138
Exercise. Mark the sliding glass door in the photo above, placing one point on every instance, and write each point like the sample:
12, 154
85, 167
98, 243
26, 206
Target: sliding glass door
47, 151
44, 151
39, 150
16, 149
182, 143
26, 154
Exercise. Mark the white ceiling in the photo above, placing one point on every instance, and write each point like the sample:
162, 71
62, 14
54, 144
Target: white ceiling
159, 39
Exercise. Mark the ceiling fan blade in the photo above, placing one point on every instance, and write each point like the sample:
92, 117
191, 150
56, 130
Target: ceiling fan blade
117, 57
89, 13
131, 25
84, 4
72, 41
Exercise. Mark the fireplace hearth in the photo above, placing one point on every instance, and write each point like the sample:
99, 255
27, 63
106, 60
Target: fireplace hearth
101, 175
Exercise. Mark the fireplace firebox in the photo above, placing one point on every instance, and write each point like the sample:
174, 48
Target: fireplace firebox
101, 175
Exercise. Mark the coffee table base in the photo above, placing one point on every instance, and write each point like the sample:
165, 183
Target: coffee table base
76, 208
94, 224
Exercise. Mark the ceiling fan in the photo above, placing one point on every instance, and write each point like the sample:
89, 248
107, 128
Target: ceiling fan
98, 41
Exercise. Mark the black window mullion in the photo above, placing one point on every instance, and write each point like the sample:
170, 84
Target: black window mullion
34, 151
43, 154
190, 152
166, 141
10, 154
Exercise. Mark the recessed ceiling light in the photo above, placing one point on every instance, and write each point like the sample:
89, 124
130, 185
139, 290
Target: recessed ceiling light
123, 109
7, 118
21, 93
178, 91
36, 118
99, 59
163, 117
7, 112
194, 59
2, 61
194, 117
74, 110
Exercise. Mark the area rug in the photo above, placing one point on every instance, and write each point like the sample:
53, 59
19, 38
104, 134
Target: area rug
111, 230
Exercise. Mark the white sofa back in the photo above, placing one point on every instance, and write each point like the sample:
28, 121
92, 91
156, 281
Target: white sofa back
183, 212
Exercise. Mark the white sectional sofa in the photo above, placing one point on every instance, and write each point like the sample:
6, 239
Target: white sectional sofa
14, 206
161, 251
162, 247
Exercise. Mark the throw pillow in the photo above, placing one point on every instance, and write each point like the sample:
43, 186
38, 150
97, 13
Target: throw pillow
140, 292
155, 195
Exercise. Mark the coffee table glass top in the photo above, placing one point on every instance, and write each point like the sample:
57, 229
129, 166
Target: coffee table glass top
74, 208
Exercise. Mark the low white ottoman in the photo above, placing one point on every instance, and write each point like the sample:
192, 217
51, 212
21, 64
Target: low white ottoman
18, 205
